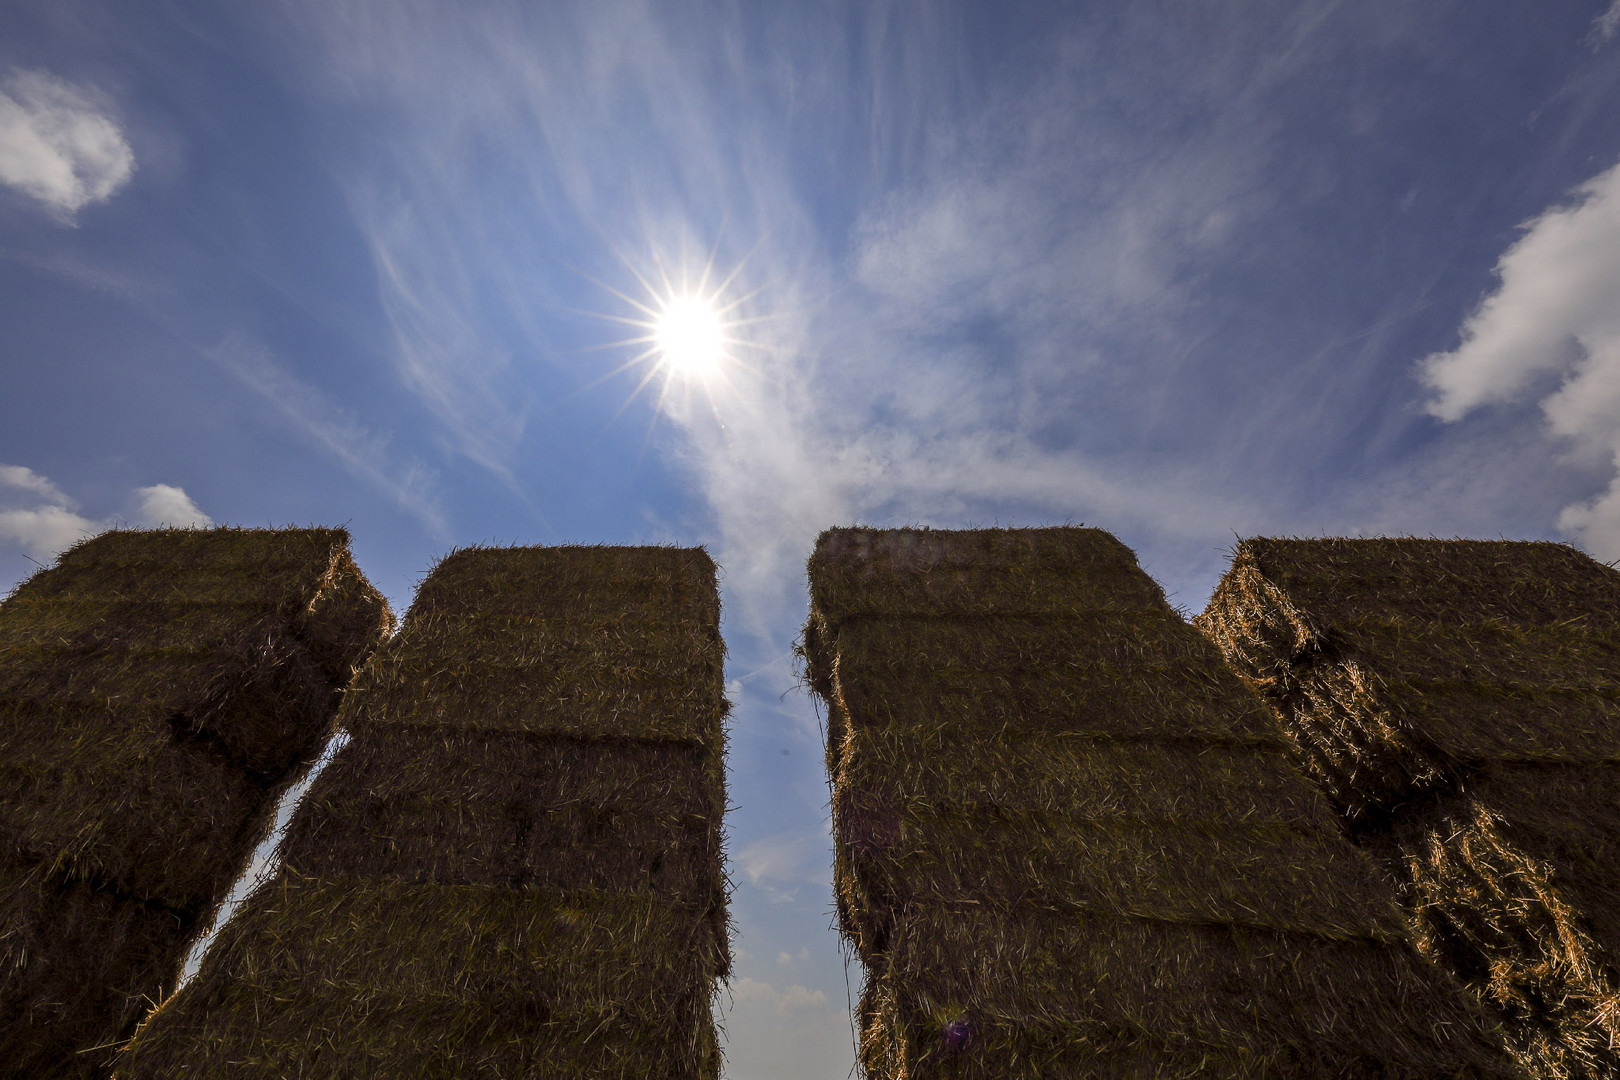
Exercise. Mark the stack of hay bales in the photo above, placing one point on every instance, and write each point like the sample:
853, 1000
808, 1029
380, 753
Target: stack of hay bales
156, 691
1070, 843
514, 866
1460, 703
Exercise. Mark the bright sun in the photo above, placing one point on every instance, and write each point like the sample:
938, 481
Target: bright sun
690, 336
692, 332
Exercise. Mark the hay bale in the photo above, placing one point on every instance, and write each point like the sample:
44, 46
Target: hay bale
514, 867
1459, 701
156, 691
1068, 842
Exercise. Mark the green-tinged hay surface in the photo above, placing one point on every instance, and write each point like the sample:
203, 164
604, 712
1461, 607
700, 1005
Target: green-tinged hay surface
1459, 701
514, 866
1068, 842
156, 690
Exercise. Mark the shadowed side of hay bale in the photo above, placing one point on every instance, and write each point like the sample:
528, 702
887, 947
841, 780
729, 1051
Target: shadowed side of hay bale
514, 866
1068, 842
1459, 701
156, 690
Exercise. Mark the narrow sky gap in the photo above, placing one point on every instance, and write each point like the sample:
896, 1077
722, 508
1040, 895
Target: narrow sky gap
266, 859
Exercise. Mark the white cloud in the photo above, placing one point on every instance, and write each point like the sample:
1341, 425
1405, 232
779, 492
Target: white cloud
39, 517
166, 506
44, 531
58, 145
1553, 313
23, 478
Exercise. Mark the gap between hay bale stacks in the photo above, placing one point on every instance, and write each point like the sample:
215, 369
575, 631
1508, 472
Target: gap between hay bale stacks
1068, 842
156, 689
514, 867
1460, 703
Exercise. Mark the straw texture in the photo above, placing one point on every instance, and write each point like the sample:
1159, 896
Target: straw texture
514, 867
1069, 843
156, 691
1459, 702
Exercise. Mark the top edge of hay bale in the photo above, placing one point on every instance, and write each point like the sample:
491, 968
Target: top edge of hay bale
585, 641
1531, 581
173, 547
551, 581
1059, 570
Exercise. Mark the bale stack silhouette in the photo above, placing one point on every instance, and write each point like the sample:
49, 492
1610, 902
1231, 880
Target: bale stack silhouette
514, 866
1069, 842
157, 689
1459, 701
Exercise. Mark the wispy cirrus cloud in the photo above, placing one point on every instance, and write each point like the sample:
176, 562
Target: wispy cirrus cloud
363, 453
1605, 26
58, 144
1553, 314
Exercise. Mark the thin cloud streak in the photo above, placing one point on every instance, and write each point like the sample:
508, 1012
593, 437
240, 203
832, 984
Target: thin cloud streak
363, 454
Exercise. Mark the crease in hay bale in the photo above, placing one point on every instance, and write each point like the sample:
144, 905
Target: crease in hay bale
1459, 702
514, 867
157, 690
1040, 884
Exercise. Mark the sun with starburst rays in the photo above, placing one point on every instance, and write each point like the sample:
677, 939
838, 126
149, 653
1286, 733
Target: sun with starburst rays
690, 331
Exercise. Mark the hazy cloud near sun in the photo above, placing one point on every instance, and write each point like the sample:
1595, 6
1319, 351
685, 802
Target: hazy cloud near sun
58, 145
39, 517
1554, 314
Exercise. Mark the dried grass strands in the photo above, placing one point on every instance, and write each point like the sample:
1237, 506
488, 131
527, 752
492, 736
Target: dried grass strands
1069, 843
514, 867
1460, 703
156, 690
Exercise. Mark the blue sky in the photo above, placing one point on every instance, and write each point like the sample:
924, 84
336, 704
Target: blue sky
1186, 271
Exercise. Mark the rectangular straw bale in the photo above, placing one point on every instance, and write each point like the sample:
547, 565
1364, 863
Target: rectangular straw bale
426, 980
1012, 978
231, 632
1460, 703
921, 573
618, 673
640, 584
1251, 875
474, 807
81, 964
156, 690
490, 878
112, 795
1086, 776
1137, 884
